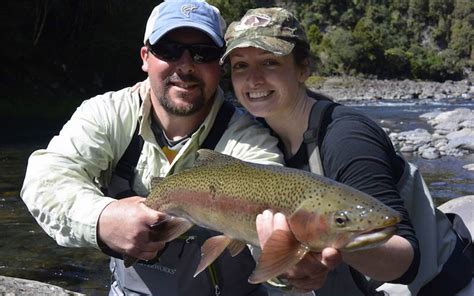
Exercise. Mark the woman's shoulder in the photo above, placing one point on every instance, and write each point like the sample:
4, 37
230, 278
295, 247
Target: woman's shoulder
349, 118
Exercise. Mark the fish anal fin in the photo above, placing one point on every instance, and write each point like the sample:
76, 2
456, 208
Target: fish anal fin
281, 252
171, 228
235, 247
210, 250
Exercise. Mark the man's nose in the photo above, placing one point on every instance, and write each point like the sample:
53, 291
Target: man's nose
185, 63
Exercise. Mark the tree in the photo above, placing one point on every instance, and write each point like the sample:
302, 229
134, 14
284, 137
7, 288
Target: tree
339, 52
233, 10
462, 38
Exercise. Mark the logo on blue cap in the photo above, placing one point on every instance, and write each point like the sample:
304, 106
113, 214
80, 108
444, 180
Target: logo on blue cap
187, 9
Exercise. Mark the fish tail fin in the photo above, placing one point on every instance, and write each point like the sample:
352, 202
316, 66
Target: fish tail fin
210, 250
281, 252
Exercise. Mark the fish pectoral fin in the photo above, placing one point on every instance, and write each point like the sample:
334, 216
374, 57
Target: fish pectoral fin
235, 247
210, 250
171, 228
281, 252
129, 260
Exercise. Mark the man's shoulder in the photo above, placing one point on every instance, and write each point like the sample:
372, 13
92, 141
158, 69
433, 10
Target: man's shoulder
120, 102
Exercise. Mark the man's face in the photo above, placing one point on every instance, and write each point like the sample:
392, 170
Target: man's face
182, 87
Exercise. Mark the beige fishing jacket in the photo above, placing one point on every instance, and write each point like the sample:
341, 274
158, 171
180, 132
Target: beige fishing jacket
62, 182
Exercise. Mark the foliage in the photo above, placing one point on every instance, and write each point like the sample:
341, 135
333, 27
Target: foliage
69, 50
417, 39
232, 10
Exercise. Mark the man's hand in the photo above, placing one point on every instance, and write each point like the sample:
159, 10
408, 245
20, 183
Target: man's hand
310, 273
124, 226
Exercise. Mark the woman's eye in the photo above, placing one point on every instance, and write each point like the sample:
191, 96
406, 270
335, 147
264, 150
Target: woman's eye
238, 66
270, 63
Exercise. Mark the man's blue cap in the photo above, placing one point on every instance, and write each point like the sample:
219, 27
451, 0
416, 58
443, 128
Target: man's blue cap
173, 14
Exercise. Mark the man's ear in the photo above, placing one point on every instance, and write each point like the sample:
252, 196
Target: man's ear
144, 52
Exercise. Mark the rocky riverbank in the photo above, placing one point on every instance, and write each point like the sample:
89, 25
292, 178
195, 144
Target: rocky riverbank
354, 89
10, 286
453, 135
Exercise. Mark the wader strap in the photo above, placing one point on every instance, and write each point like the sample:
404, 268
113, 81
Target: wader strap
220, 125
319, 118
125, 169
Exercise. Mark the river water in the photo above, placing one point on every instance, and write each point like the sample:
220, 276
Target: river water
27, 252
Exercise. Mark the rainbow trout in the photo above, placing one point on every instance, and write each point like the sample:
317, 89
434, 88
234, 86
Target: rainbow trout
226, 194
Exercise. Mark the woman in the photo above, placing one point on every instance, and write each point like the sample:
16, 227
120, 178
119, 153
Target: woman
269, 58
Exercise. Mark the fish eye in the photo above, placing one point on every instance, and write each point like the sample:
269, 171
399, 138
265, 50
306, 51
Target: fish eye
340, 218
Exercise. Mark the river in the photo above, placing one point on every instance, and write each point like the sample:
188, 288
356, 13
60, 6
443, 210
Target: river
27, 252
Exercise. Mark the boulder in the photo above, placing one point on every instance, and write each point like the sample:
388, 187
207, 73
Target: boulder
10, 286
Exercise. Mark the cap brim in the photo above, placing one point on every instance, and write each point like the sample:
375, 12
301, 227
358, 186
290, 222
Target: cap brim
157, 34
274, 45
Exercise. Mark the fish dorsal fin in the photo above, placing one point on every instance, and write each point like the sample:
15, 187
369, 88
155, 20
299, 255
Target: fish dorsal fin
155, 181
210, 157
281, 251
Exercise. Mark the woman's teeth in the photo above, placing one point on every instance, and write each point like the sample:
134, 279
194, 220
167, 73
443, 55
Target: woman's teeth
258, 94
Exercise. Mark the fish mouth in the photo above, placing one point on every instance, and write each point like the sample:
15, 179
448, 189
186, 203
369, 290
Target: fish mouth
370, 239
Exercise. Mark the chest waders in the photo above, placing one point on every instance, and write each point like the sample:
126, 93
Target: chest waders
455, 270
171, 273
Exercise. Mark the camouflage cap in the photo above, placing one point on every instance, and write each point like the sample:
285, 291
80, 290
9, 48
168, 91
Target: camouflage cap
272, 29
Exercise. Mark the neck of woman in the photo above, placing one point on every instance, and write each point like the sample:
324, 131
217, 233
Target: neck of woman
291, 124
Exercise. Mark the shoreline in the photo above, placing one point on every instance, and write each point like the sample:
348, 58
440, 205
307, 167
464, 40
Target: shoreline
343, 89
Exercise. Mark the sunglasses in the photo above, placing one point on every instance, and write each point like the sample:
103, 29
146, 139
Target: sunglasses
172, 51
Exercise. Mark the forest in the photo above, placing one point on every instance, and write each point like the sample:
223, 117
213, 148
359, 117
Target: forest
60, 50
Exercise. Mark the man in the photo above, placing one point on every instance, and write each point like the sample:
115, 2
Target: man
173, 111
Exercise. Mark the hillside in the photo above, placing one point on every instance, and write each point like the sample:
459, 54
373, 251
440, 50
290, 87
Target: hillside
58, 52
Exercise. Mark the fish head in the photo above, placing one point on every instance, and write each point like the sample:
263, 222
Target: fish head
344, 219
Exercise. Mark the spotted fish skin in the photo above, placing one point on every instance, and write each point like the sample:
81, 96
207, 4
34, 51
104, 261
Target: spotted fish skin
226, 194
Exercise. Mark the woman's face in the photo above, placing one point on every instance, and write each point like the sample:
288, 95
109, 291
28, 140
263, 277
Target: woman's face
264, 83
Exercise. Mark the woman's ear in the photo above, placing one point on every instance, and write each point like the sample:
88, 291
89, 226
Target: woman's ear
144, 52
304, 71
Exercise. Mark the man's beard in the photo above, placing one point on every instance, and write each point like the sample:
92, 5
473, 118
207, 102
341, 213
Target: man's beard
174, 109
